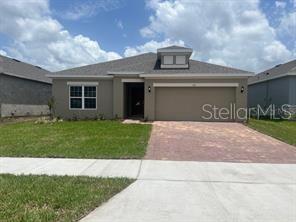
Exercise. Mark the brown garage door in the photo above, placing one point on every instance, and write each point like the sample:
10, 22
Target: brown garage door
177, 103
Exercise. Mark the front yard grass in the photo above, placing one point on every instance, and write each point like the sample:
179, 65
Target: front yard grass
53, 198
74, 139
281, 129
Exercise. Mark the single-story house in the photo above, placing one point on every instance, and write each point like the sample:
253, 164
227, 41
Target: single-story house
24, 89
163, 86
275, 86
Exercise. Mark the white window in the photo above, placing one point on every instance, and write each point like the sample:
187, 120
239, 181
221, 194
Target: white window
168, 60
90, 97
83, 97
180, 60
76, 97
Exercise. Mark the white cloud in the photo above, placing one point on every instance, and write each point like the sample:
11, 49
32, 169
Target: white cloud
40, 39
150, 46
2, 52
275, 52
235, 33
119, 24
287, 28
89, 9
280, 4
217, 61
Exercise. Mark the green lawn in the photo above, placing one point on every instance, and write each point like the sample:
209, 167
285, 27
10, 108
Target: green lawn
52, 198
280, 129
74, 139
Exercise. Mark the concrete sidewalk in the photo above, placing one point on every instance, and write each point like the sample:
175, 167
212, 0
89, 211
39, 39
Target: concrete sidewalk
174, 191
71, 167
153, 169
168, 191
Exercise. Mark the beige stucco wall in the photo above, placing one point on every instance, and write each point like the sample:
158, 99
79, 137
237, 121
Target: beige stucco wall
60, 91
110, 96
118, 98
240, 98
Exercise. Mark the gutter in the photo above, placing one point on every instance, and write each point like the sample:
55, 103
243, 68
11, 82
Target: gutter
78, 76
153, 76
124, 73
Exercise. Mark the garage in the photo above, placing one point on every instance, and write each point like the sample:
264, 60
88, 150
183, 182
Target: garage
185, 102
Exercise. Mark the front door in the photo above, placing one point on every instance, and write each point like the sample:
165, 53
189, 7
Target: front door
134, 100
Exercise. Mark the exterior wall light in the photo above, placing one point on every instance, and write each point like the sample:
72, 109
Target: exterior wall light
149, 89
242, 89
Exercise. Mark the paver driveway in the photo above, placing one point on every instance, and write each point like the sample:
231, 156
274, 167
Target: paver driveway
225, 142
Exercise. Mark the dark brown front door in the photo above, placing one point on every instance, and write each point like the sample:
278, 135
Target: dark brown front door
134, 100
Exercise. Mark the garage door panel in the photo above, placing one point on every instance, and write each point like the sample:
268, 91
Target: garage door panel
176, 103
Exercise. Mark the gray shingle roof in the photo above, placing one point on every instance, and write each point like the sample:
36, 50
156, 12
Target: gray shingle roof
278, 70
147, 63
20, 69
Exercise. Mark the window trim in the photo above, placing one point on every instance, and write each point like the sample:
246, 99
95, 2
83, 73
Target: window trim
87, 97
82, 96
75, 97
82, 83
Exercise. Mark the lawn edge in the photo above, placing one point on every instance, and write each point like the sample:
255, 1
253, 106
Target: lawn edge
266, 134
104, 203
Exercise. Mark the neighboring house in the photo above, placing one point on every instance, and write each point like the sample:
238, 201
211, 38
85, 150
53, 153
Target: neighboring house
24, 89
276, 86
163, 86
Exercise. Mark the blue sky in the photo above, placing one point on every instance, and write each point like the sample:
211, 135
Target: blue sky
250, 34
104, 26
